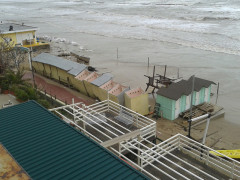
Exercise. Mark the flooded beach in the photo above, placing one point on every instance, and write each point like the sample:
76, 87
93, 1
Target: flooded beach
198, 37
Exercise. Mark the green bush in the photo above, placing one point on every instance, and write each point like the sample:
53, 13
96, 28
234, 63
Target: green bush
21, 94
4, 85
44, 103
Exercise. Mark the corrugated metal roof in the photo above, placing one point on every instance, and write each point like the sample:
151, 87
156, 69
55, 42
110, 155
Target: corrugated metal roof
183, 87
48, 148
73, 68
102, 79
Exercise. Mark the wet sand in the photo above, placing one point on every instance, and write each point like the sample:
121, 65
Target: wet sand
131, 66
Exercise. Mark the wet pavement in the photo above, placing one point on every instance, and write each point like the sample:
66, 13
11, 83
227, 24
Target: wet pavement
59, 91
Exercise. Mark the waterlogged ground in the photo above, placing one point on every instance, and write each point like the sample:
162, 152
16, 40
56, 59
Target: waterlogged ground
200, 37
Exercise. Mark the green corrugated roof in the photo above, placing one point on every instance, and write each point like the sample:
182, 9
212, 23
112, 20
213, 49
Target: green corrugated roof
48, 148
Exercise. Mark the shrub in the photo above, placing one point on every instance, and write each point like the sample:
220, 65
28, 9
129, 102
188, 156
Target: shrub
44, 103
21, 95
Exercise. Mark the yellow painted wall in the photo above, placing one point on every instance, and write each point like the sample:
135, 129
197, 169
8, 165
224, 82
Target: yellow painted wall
38, 67
47, 70
10, 35
138, 104
63, 75
90, 88
103, 95
54, 71
78, 84
113, 98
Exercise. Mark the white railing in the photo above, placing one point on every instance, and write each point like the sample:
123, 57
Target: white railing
82, 117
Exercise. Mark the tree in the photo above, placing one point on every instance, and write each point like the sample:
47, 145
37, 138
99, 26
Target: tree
10, 57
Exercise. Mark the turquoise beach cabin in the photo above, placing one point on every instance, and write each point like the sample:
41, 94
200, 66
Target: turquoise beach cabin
176, 98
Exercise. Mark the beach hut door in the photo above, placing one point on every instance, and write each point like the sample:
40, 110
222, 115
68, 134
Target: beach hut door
177, 108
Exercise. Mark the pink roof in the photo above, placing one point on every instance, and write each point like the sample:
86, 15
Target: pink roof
134, 92
108, 85
82, 75
91, 77
117, 89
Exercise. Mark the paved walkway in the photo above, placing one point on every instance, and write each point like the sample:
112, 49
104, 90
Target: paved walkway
61, 92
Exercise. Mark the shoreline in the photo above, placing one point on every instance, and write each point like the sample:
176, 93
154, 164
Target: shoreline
130, 73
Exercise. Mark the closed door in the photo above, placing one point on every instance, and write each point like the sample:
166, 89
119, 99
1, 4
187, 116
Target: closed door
177, 108
202, 95
188, 102
206, 99
197, 98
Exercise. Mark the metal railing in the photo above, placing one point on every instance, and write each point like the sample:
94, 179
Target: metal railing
152, 155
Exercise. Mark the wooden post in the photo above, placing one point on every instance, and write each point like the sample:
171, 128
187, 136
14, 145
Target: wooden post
165, 69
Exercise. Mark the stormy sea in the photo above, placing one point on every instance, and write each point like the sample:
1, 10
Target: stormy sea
200, 37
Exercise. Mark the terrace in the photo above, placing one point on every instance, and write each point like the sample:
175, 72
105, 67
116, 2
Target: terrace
129, 135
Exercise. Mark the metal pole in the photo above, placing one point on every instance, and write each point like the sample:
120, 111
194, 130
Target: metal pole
117, 53
148, 61
34, 84
74, 116
190, 117
206, 130
217, 93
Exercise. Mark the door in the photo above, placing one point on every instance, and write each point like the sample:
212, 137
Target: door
202, 95
206, 99
197, 98
177, 108
188, 102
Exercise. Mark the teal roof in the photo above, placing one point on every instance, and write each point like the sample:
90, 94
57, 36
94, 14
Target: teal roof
48, 148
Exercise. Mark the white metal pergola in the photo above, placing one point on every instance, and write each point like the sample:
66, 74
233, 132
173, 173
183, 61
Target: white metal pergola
122, 131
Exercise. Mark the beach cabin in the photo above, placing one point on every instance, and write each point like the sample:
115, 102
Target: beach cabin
58, 68
116, 94
176, 98
137, 100
79, 81
102, 91
98, 82
87, 83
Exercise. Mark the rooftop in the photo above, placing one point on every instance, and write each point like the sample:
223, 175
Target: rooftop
73, 68
4, 28
102, 79
183, 87
48, 148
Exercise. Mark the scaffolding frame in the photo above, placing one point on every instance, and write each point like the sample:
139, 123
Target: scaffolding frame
138, 143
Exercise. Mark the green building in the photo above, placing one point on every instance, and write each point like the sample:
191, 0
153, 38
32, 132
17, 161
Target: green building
176, 98
47, 148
